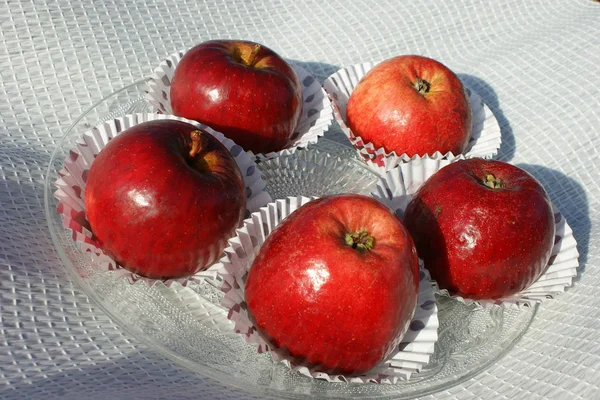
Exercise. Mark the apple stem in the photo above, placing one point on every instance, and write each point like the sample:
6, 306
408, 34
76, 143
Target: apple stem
360, 240
252, 58
422, 86
492, 182
196, 143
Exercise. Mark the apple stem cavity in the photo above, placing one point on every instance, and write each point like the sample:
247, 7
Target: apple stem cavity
360, 240
252, 57
422, 86
196, 143
492, 182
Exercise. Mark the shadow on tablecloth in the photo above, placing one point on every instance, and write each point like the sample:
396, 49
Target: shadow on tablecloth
569, 196
488, 94
317, 69
127, 378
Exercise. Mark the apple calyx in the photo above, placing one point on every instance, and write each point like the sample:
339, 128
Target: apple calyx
196, 143
422, 86
360, 240
492, 182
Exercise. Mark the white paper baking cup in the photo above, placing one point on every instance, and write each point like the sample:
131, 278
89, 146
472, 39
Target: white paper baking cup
72, 180
413, 353
485, 138
317, 114
398, 187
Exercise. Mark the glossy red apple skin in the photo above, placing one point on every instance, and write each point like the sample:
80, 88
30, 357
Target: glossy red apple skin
257, 103
481, 242
154, 208
386, 109
329, 306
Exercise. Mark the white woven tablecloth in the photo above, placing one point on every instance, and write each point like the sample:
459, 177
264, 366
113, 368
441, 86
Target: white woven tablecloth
536, 64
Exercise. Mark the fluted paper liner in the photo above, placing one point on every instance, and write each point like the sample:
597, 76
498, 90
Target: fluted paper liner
317, 114
412, 354
398, 187
485, 139
72, 180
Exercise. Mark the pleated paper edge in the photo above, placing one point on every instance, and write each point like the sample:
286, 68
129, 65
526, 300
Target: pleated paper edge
232, 271
70, 187
339, 86
396, 188
317, 112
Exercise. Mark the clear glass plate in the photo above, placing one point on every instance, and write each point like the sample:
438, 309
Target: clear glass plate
187, 324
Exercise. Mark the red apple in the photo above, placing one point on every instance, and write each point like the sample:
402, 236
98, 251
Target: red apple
242, 89
484, 228
335, 285
413, 105
163, 197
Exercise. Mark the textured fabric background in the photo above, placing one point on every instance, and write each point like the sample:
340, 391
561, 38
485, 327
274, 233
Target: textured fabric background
536, 64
